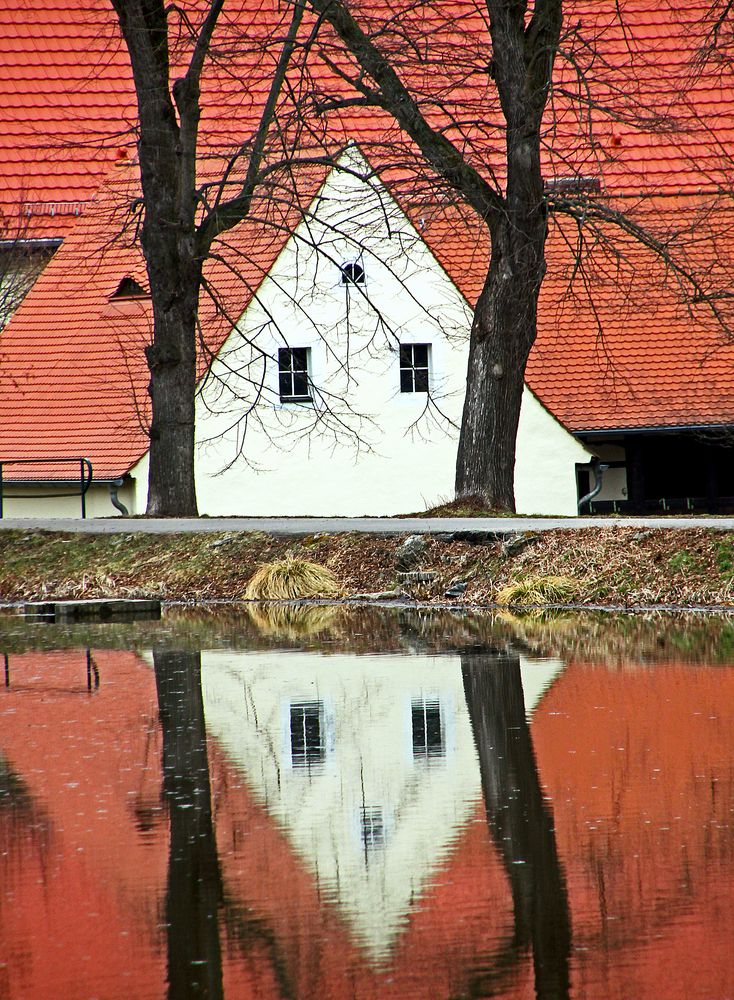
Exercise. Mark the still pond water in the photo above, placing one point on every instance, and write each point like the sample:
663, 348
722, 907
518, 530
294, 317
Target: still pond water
325, 803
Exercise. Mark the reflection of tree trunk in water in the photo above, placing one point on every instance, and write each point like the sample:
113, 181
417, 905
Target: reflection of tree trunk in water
194, 878
520, 821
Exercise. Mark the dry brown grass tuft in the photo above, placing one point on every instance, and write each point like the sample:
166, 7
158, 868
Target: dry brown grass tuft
535, 590
291, 579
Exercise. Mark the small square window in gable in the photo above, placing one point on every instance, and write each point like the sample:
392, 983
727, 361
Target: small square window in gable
414, 367
294, 383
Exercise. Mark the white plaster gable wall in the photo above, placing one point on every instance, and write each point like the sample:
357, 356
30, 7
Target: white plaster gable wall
362, 446
368, 764
139, 475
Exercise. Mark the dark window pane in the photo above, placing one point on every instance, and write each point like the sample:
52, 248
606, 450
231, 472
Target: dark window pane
421, 380
420, 355
299, 357
286, 385
284, 359
352, 273
406, 356
300, 384
419, 728
427, 731
307, 745
293, 365
406, 379
434, 734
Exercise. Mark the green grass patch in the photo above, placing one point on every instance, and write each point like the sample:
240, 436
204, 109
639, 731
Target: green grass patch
724, 556
682, 561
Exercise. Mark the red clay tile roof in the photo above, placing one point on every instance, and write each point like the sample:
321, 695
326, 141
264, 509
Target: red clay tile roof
632, 346
73, 361
68, 100
75, 376
621, 341
65, 85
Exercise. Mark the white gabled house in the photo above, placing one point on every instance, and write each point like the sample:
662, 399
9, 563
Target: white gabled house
340, 389
320, 415
335, 384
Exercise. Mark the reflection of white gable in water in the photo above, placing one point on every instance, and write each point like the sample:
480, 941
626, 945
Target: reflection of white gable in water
341, 387
367, 763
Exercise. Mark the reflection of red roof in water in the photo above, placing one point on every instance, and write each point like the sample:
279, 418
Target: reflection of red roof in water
638, 764
96, 887
465, 910
636, 761
81, 901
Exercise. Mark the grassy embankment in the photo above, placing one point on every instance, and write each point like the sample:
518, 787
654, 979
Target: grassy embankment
607, 565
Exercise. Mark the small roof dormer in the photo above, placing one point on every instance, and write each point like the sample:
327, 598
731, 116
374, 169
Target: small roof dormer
129, 288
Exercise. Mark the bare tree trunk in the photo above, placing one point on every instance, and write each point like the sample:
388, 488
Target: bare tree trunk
194, 895
505, 318
503, 332
175, 242
167, 155
520, 821
172, 364
520, 60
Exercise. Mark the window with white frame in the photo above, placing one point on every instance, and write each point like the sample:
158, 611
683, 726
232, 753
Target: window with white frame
293, 374
414, 367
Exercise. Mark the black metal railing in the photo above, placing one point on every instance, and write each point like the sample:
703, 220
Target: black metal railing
85, 479
665, 505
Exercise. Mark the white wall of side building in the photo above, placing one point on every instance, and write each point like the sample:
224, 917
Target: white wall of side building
63, 500
361, 446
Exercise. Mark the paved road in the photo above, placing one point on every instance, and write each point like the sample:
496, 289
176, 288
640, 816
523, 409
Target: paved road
369, 525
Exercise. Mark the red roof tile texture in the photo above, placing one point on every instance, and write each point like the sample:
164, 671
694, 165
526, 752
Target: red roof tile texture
625, 341
74, 369
69, 101
66, 91
629, 343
